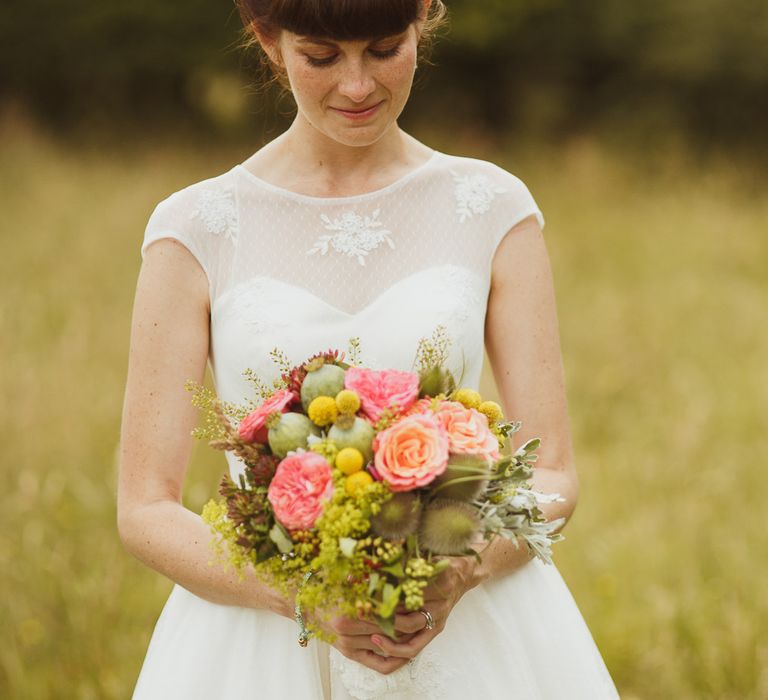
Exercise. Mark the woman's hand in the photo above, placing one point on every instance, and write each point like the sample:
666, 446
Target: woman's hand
440, 597
354, 640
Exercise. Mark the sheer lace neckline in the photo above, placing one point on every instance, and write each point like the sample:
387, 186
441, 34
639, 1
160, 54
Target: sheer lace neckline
403, 179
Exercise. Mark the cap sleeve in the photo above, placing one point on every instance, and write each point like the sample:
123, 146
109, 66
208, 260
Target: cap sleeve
168, 220
204, 218
518, 205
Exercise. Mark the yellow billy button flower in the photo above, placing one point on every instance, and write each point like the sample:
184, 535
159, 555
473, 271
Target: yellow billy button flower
347, 401
357, 482
492, 410
469, 397
349, 460
322, 411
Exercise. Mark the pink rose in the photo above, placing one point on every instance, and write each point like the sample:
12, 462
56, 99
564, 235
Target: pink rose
468, 431
302, 482
411, 452
382, 389
252, 427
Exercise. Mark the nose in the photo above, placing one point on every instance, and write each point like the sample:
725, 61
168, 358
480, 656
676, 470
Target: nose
356, 82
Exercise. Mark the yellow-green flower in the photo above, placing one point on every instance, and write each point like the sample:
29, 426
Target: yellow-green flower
349, 460
492, 410
357, 482
469, 397
323, 411
347, 401
326, 448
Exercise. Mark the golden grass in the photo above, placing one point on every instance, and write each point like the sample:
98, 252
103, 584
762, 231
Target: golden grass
660, 273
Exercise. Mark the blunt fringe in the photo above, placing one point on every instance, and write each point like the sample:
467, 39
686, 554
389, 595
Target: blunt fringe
337, 20
332, 19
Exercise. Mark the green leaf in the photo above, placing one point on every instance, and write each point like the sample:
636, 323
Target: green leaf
280, 537
528, 447
441, 565
395, 569
387, 625
390, 599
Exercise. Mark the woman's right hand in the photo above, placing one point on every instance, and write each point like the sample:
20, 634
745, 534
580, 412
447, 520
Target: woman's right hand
353, 640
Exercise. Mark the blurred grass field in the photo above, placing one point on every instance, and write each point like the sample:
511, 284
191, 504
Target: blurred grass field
660, 268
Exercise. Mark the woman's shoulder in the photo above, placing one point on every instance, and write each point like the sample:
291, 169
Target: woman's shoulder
469, 166
201, 215
209, 188
481, 186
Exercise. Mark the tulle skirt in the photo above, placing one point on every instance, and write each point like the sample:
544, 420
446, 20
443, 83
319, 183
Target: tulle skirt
521, 636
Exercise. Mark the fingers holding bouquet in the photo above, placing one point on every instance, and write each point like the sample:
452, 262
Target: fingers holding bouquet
353, 638
418, 628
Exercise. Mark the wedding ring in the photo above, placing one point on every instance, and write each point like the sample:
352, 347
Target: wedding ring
430, 620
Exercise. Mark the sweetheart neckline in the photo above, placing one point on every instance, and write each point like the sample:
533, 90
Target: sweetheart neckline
332, 307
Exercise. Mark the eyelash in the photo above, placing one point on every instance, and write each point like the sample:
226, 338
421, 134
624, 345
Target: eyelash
380, 55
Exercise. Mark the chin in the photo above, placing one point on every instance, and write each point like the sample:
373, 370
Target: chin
364, 136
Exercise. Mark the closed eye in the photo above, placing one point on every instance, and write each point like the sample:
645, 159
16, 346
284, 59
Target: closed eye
379, 54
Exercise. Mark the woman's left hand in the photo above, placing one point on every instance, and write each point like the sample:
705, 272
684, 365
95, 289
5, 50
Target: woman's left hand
440, 597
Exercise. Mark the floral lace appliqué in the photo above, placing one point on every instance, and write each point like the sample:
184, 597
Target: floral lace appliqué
474, 194
423, 677
217, 210
354, 235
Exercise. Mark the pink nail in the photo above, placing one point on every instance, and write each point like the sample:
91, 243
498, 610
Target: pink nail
376, 640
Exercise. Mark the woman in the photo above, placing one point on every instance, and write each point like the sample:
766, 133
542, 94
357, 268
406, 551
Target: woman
347, 226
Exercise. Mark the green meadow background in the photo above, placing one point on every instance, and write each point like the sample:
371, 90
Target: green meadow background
660, 265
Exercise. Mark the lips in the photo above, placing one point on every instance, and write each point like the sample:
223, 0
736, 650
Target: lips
360, 113
356, 111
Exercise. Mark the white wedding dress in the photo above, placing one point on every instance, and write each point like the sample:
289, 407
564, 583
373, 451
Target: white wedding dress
306, 274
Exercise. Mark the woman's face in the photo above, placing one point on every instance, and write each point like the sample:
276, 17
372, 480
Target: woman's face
350, 91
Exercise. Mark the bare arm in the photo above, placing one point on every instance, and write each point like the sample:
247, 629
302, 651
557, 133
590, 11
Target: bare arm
523, 343
169, 345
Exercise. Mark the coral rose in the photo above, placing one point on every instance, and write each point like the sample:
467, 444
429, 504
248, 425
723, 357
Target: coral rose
302, 482
252, 427
468, 431
382, 389
411, 452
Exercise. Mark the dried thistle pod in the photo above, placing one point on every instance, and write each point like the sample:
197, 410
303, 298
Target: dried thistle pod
398, 517
448, 526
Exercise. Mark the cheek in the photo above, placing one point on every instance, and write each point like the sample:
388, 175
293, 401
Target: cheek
398, 74
306, 82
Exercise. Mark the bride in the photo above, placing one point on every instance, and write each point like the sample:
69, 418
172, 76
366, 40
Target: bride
345, 226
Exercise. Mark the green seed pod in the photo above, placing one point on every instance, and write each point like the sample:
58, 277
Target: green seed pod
436, 380
472, 470
398, 517
290, 433
448, 527
328, 380
359, 435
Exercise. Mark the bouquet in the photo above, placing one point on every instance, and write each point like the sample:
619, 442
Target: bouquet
359, 484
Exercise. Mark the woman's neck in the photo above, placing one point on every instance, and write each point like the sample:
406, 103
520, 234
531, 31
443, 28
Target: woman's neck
306, 161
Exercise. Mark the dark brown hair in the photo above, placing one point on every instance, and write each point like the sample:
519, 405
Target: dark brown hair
338, 20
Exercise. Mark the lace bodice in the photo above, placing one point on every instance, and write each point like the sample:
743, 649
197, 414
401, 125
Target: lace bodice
305, 274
